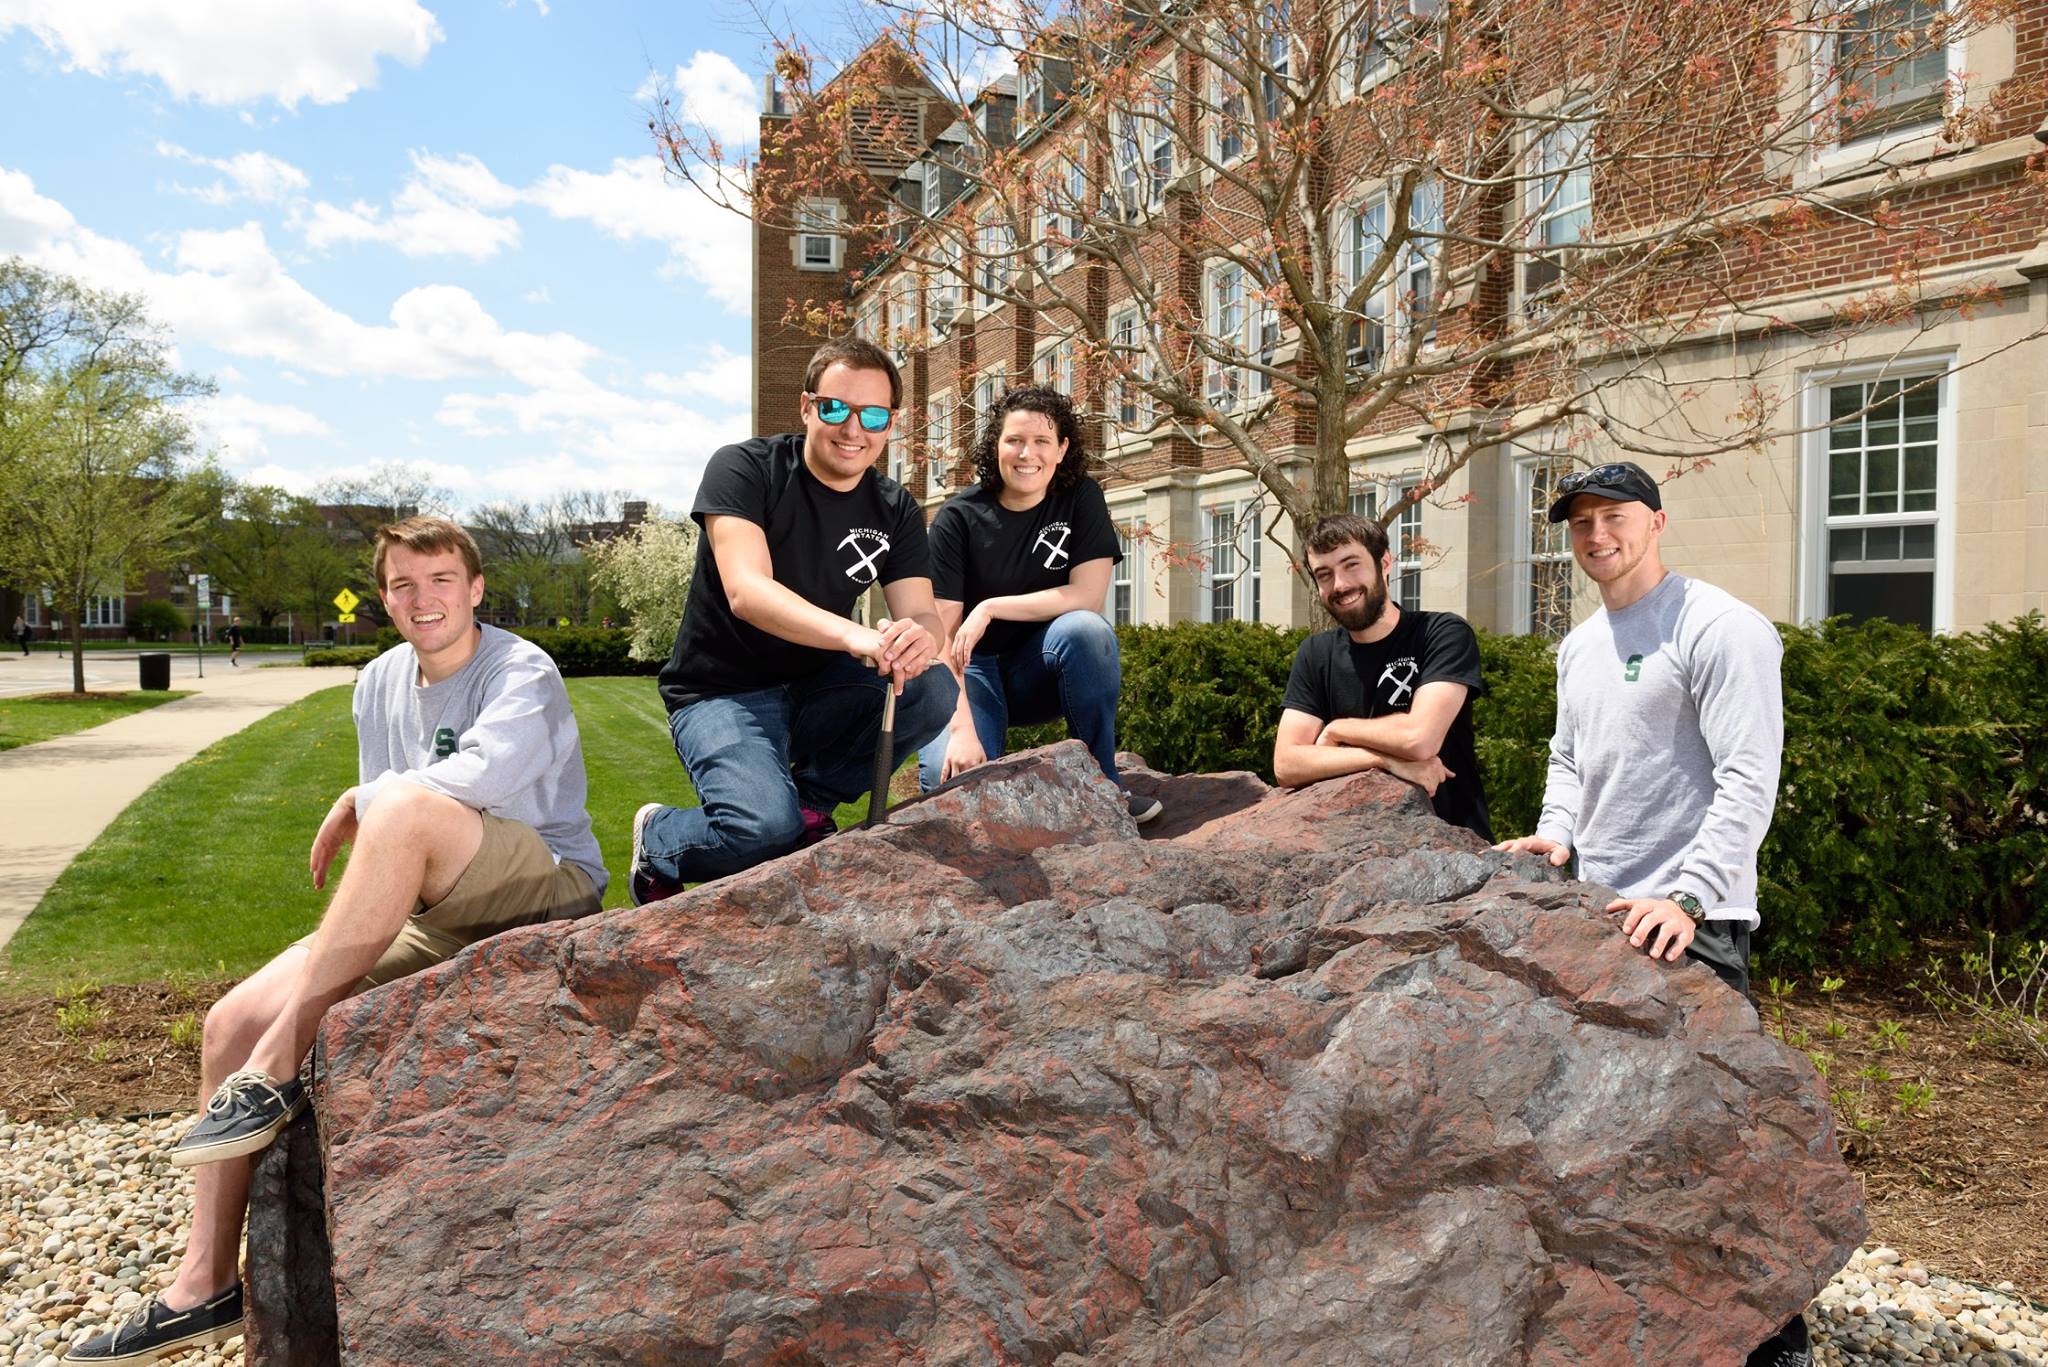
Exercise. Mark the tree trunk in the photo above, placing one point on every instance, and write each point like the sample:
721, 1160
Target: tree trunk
77, 654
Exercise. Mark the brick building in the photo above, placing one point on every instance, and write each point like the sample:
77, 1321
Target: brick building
1906, 473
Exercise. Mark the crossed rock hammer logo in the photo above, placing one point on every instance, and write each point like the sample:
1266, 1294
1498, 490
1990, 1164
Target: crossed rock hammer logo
866, 566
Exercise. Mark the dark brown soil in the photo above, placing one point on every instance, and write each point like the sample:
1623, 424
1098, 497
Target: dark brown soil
1960, 1183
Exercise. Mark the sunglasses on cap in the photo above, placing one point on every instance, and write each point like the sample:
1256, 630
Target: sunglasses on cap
1599, 474
873, 418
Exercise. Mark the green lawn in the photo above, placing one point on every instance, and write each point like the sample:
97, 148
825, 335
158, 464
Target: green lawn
41, 716
205, 874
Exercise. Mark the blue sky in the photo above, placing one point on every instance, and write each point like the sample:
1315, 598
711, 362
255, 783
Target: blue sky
424, 231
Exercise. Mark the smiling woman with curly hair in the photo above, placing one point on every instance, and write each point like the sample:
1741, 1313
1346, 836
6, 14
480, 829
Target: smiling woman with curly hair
1020, 567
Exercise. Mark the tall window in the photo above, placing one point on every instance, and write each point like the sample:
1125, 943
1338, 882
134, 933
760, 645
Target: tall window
988, 387
1133, 405
1883, 499
1366, 336
818, 242
994, 243
1054, 366
1888, 73
1123, 582
1379, 37
938, 434
1143, 150
1233, 563
1561, 210
946, 282
1241, 324
1546, 551
1405, 538
1279, 52
1417, 277
1226, 117
105, 610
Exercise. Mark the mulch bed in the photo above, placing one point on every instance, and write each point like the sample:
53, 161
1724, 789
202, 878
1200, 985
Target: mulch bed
1961, 1184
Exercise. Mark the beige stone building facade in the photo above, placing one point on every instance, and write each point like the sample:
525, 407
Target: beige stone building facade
1907, 477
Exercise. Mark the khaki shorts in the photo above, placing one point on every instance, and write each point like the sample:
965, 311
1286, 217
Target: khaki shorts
513, 881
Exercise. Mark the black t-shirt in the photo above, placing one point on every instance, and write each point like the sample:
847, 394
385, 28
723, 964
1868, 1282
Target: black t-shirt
1336, 677
982, 550
235, 636
826, 546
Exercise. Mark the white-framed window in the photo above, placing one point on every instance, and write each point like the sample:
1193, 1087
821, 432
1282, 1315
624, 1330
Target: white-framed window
933, 188
1240, 323
1418, 274
105, 610
819, 241
1878, 488
1059, 220
938, 433
867, 317
1144, 156
1405, 539
899, 296
1543, 549
899, 464
1229, 113
1230, 574
1365, 337
945, 282
994, 245
1376, 37
1879, 70
1030, 93
1132, 405
1560, 185
1126, 578
1279, 54
32, 609
989, 386
1053, 365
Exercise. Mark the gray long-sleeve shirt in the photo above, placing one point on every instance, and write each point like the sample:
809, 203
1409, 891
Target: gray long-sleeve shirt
497, 735
1664, 766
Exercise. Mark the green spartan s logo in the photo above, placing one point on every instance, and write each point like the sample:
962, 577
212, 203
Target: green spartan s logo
1635, 669
444, 738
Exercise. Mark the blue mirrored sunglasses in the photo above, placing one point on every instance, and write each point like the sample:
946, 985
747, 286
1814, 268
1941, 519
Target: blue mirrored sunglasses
873, 418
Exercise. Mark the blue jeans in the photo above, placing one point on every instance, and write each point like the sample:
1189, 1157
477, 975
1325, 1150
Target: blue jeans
757, 758
1068, 668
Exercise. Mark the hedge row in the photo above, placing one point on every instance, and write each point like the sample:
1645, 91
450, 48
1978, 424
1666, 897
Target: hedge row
1914, 795
1914, 798
576, 651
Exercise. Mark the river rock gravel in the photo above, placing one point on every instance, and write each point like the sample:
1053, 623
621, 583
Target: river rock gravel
92, 1218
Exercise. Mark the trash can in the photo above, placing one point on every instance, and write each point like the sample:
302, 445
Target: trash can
156, 669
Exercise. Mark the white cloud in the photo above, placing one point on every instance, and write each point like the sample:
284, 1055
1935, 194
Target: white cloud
232, 51
440, 210
636, 199
539, 295
250, 175
228, 290
458, 206
710, 93
241, 426
724, 375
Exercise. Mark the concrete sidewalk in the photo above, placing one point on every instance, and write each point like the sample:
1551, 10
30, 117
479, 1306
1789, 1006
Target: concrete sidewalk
56, 797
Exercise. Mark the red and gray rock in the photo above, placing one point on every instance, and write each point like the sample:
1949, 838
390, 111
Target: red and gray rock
1311, 1078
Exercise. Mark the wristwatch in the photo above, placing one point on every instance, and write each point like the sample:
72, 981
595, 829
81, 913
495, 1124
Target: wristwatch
1690, 905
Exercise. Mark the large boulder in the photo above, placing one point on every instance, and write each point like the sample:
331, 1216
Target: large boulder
1311, 1077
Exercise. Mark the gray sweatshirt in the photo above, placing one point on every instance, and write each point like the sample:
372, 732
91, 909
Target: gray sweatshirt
496, 735
1664, 767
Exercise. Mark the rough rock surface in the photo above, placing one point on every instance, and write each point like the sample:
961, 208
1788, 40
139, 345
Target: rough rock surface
1310, 1078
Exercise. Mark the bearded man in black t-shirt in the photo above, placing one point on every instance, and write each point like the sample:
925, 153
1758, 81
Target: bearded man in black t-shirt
1385, 689
774, 693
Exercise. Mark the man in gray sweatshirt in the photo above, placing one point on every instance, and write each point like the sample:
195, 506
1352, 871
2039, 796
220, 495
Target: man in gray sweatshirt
1664, 762
469, 819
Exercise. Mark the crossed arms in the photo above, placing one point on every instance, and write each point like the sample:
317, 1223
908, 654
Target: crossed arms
1404, 744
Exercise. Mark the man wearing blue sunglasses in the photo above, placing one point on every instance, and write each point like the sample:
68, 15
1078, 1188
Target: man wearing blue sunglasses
774, 693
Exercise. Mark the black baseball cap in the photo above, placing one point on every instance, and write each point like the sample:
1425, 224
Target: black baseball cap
1623, 481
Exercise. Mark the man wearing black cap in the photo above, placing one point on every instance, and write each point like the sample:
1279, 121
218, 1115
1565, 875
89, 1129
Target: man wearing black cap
1664, 762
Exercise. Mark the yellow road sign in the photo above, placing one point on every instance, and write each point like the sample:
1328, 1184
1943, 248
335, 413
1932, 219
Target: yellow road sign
346, 617
346, 601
